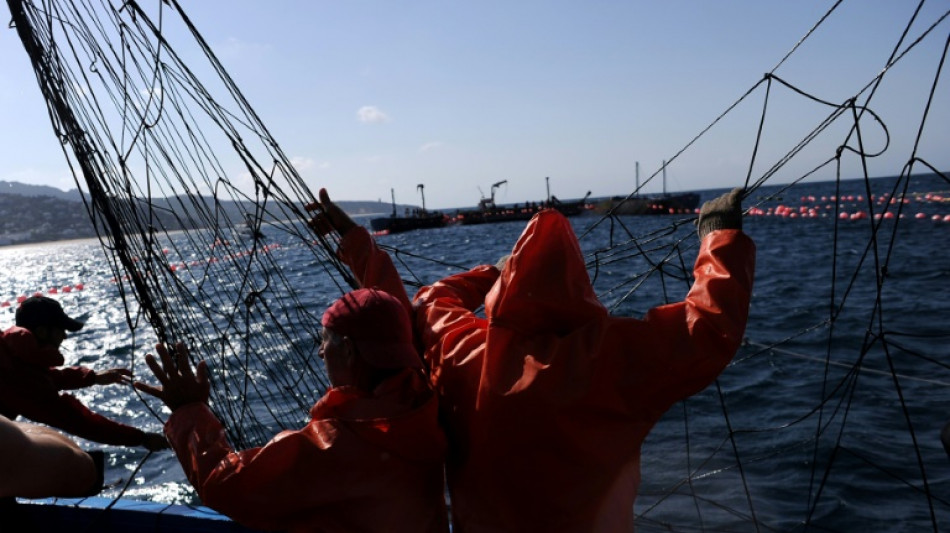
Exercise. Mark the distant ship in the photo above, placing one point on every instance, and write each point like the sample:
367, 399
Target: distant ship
489, 212
665, 204
413, 220
657, 204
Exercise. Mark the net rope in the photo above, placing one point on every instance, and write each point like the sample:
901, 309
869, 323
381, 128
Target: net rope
153, 127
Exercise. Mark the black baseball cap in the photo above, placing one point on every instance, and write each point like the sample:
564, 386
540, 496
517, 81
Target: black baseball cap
42, 311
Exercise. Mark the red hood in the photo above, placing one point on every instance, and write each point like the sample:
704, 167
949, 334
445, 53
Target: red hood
542, 296
544, 287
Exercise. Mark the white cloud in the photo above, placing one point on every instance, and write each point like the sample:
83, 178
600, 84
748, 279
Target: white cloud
240, 50
369, 114
433, 145
301, 163
243, 182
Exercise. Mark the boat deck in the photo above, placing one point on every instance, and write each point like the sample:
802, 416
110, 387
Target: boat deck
104, 515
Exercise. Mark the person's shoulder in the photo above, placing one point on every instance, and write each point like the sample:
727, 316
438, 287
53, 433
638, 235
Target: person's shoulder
17, 338
20, 343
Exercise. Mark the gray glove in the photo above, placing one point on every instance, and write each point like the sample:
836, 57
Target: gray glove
724, 212
501, 262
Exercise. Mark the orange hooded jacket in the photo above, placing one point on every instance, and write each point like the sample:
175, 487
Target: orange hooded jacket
547, 400
362, 463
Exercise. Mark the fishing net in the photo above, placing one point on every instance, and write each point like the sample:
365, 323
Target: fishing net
195, 203
144, 135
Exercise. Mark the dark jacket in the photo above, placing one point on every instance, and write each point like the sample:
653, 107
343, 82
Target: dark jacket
30, 385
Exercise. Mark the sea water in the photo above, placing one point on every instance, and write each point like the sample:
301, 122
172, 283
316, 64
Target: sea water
830, 424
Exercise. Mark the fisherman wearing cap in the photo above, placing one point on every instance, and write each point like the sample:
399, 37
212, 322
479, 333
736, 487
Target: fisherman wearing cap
32, 378
371, 457
547, 398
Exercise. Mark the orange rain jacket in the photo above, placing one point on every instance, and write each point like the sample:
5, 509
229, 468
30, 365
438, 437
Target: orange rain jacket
30, 385
547, 400
363, 463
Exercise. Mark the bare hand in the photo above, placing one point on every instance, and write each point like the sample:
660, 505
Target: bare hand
330, 216
113, 375
180, 385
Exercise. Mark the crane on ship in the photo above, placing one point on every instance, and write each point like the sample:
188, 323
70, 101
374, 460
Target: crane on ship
421, 189
489, 203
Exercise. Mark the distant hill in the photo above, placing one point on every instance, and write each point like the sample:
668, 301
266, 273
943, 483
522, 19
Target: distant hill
24, 189
38, 213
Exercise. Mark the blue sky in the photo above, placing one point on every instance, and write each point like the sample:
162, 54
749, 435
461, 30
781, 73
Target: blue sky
368, 96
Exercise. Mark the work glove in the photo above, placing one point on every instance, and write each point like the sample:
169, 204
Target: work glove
500, 264
724, 212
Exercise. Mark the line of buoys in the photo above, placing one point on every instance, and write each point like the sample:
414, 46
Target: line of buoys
53, 290
173, 267
784, 212
185, 265
850, 207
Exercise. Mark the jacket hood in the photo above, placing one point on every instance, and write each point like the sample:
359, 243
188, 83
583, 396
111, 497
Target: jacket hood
544, 287
401, 416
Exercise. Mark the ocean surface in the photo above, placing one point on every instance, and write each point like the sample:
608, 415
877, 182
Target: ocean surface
829, 415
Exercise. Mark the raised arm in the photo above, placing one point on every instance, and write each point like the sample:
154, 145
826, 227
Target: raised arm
692, 341
451, 334
460, 292
702, 334
370, 266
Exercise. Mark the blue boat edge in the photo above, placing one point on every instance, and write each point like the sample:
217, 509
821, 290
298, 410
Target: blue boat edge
121, 515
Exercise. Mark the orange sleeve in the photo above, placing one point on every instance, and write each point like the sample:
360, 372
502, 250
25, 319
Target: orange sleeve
693, 340
452, 335
461, 292
371, 266
262, 487
447, 307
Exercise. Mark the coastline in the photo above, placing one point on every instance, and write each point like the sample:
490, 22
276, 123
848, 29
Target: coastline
17, 246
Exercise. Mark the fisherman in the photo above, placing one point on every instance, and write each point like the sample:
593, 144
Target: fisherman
370, 459
547, 400
31, 379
